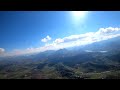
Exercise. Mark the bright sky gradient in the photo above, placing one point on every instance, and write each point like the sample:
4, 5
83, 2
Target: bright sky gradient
33, 31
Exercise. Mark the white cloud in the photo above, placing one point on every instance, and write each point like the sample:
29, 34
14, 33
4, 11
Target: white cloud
101, 34
109, 30
59, 40
48, 38
2, 50
70, 41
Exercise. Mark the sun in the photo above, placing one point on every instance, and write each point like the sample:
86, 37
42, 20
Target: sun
78, 14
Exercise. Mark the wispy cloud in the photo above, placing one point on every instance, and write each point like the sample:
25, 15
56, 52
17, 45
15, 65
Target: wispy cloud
71, 41
46, 39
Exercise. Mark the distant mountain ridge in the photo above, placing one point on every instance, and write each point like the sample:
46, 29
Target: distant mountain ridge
112, 45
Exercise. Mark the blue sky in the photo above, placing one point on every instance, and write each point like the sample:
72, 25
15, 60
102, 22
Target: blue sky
20, 30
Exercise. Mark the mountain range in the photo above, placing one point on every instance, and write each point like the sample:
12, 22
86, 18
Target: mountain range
99, 60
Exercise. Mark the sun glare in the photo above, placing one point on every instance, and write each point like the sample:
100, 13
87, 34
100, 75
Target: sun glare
78, 16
